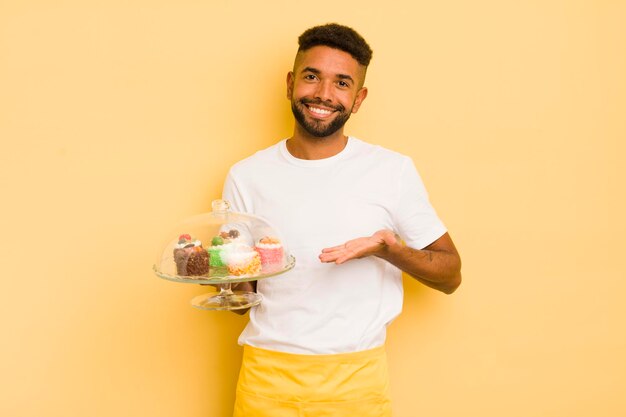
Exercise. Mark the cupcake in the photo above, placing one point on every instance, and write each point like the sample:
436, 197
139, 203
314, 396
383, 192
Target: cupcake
221, 244
242, 260
190, 257
271, 252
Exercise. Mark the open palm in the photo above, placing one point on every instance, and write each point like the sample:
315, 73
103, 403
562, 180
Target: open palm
358, 248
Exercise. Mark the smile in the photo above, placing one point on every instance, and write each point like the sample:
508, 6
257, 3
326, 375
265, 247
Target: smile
318, 111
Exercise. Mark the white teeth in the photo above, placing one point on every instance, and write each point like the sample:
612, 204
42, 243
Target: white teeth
319, 111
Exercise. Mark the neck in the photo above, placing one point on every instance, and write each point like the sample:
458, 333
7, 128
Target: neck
304, 146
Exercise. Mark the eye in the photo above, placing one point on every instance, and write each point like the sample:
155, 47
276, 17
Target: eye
343, 84
310, 77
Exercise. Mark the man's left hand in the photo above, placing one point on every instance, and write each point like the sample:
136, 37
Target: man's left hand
360, 247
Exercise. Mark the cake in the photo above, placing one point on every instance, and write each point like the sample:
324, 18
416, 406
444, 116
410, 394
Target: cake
241, 260
190, 257
221, 244
224, 242
271, 252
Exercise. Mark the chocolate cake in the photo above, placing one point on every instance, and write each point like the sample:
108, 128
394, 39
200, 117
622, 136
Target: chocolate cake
190, 257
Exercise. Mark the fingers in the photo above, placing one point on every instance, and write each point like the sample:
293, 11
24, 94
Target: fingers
332, 254
352, 249
337, 254
329, 257
336, 258
334, 248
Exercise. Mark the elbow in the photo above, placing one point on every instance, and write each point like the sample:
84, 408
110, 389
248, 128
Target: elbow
455, 279
452, 284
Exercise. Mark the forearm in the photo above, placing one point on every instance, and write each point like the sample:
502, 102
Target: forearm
437, 268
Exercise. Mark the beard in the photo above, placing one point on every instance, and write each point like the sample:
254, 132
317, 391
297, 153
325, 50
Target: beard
319, 128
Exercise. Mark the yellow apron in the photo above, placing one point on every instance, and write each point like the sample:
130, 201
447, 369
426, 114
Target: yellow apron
277, 384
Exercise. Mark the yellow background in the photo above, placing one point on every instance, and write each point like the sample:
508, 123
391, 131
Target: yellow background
120, 118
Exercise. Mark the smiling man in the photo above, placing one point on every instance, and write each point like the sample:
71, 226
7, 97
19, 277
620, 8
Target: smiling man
325, 87
355, 216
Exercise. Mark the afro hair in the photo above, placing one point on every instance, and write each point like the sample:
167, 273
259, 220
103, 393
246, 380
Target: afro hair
339, 37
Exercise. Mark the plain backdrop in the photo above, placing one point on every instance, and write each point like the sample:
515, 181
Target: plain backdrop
120, 118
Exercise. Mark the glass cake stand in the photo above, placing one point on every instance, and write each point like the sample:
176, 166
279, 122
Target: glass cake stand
222, 248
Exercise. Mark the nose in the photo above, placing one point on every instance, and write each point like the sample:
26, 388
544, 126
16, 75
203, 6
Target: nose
323, 91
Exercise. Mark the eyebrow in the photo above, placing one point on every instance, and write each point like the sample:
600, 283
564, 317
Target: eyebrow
316, 71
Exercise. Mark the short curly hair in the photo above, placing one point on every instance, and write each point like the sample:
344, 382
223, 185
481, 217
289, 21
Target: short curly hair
339, 37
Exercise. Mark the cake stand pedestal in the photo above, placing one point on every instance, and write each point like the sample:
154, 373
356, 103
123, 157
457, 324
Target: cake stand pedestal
226, 299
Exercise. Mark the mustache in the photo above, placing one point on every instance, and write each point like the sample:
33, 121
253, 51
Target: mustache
320, 102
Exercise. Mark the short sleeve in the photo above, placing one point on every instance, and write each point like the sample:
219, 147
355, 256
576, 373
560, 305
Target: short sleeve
233, 195
415, 219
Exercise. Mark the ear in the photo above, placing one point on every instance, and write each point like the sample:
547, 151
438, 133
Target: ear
360, 96
289, 84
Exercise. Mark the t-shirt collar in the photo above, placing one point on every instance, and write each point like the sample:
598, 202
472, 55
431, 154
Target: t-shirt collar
315, 162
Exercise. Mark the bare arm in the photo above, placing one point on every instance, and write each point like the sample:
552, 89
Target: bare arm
438, 265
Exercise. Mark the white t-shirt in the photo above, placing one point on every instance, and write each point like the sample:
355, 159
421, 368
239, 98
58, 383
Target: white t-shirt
320, 308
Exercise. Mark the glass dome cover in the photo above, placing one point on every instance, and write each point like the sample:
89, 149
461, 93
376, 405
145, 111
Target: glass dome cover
222, 247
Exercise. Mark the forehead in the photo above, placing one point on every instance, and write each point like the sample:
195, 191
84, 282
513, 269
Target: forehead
329, 61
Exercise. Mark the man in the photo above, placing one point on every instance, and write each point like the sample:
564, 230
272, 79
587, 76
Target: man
355, 216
